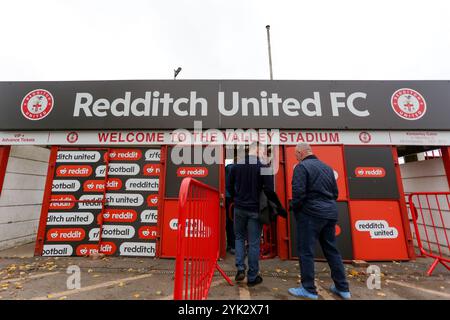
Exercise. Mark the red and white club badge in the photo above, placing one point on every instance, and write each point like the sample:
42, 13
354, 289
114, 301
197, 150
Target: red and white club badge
365, 137
37, 104
72, 137
408, 104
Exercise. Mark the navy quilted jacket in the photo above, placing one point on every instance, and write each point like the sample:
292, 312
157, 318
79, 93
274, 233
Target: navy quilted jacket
314, 189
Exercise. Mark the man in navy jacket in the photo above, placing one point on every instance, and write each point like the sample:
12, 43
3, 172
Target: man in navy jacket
314, 194
246, 181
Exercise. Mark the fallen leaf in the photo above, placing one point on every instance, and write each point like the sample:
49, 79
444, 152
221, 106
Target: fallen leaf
11, 268
62, 298
158, 293
275, 289
95, 275
90, 270
137, 295
50, 296
442, 288
353, 272
278, 270
121, 284
381, 294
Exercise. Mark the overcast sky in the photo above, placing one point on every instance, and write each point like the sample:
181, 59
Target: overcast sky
108, 39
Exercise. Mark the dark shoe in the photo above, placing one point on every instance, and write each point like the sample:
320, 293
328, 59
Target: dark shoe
240, 275
255, 282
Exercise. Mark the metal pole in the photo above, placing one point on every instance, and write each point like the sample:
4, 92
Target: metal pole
270, 51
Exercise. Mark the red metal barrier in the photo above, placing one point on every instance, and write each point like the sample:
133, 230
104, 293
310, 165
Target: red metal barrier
268, 242
431, 217
198, 240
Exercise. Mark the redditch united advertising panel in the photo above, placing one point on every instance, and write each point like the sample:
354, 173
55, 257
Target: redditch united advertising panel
168, 104
77, 225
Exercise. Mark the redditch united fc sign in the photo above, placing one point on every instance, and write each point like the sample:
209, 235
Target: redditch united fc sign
156, 104
223, 104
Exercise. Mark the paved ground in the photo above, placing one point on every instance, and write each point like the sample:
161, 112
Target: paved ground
23, 276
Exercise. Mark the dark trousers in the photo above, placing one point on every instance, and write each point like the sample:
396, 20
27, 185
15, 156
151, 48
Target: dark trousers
247, 226
309, 230
229, 224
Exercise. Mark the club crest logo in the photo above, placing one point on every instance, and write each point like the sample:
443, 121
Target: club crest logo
72, 137
37, 104
365, 137
408, 104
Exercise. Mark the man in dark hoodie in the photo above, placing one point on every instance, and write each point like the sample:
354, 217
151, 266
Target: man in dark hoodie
314, 194
246, 181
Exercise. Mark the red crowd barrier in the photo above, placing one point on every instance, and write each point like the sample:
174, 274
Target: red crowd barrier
268, 245
431, 217
198, 240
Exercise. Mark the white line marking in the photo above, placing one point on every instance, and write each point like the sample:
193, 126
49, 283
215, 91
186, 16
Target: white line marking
244, 294
30, 277
89, 288
437, 293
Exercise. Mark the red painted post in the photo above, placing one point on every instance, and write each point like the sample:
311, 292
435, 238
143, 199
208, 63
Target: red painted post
4, 156
403, 208
161, 197
445, 151
45, 202
280, 189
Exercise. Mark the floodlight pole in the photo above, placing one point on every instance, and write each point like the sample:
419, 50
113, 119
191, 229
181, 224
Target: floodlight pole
270, 51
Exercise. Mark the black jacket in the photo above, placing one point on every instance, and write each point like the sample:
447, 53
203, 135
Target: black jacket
246, 183
270, 206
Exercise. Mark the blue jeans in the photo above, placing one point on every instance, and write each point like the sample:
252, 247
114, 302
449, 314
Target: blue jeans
247, 223
309, 230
